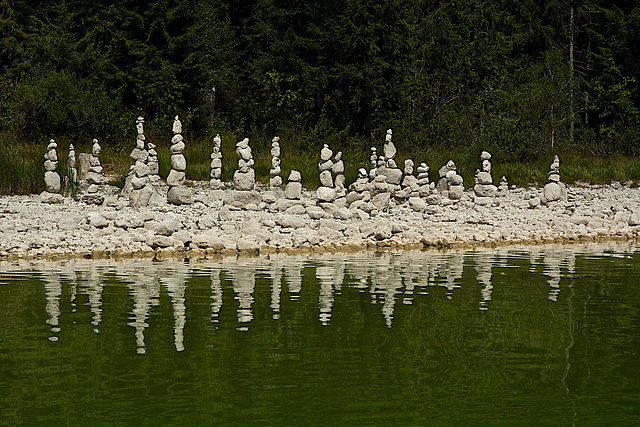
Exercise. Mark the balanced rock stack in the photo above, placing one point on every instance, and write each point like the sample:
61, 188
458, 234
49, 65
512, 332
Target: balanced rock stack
326, 192
293, 189
410, 182
244, 178
152, 163
140, 156
51, 178
178, 194
554, 190
451, 185
72, 172
338, 170
275, 179
359, 195
380, 193
374, 163
216, 163
94, 176
483, 181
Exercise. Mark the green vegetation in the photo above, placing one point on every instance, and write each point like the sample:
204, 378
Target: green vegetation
523, 80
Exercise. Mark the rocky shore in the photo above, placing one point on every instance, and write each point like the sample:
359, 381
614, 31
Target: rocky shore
230, 222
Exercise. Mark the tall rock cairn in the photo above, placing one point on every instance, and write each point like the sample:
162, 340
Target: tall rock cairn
178, 194
216, 163
152, 163
51, 178
373, 159
275, 180
483, 181
72, 172
94, 176
451, 184
137, 185
554, 190
244, 178
326, 192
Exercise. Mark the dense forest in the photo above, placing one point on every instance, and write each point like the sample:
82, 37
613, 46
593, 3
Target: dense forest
522, 77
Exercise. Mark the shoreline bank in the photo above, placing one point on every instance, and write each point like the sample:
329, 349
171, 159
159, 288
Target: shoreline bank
214, 226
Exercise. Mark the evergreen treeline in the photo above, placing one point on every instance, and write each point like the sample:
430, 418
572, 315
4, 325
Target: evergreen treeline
516, 76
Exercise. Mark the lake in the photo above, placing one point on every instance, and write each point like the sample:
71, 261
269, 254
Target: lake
522, 335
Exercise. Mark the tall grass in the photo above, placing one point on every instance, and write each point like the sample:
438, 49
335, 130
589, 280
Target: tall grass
22, 163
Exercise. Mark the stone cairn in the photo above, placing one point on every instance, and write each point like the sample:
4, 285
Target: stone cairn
94, 176
51, 178
379, 191
275, 180
503, 187
554, 190
483, 188
293, 189
178, 194
216, 163
152, 163
326, 193
71, 180
374, 163
451, 185
359, 195
244, 178
137, 186
409, 181
339, 180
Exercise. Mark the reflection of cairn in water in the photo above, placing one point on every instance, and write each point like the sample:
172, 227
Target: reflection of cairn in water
484, 261
324, 274
388, 284
145, 291
94, 289
216, 295
53, 291
243, 280
293, 276
553, 261
452, 270
276, 284
175, 282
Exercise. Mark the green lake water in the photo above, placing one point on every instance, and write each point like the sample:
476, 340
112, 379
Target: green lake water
546, 335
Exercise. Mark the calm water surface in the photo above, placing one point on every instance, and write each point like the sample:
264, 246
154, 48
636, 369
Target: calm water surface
514, 336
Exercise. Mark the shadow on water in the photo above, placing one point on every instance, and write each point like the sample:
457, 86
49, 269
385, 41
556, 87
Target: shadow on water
543, 334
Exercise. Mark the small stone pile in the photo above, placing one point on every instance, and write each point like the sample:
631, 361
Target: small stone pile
51, 178
137, 184
359, 192
275, 179
244, 178
380, 193
326, 192
483, 188
503, 187
178, 194
216, 163
293, 189
94, 176
554, 190
451, 185
410, 182
338, 171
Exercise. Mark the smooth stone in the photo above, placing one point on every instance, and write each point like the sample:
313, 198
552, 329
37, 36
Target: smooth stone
417, 204
179, 195
137, 183
51, 198
139, 155
456, 192
483, 201
275, 181
178, 162
325, 166
326, 194
343, 213
381, 200
216, 163
325, 154
316, 212
294, 176
50, 166
326, 179
485, 190
93, 199
394, 176
338, 167
141, 169
484, 178
455, 179
552, 192
293, 190
94, 178
140, 198
177, 148
175, 178
291, 221
241, 198
52, 182
244, 181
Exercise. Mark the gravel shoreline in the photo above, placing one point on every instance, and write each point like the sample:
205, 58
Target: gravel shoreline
32, 229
